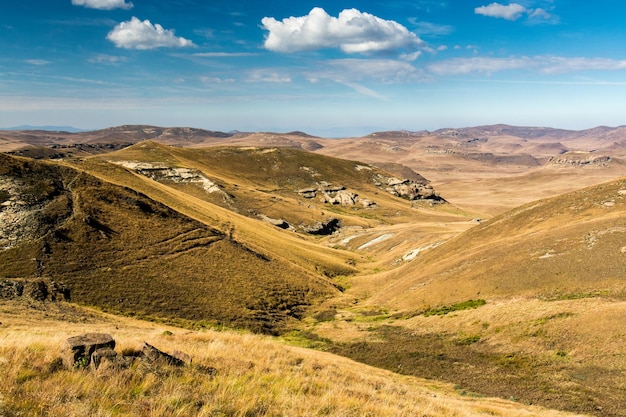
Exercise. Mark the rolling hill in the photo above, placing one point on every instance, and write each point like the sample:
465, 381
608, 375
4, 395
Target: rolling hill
491, 258
565, 246
122, 251
529, 304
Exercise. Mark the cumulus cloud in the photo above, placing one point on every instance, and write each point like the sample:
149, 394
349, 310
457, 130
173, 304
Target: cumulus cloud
103, 4
514, 11
352, 32
217, 80
511, 11
136, 34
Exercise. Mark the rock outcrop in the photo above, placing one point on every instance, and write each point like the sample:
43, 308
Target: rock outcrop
341, 197
327, 227
160, 172
153, 355
581, 160
97, 351
280, 223
78, 351
329, 194
39, 289
406, 188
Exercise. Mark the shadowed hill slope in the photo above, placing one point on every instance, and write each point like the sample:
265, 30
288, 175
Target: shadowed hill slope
568, 246
122, 251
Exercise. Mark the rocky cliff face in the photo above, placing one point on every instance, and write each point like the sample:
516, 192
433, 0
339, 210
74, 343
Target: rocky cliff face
581, 160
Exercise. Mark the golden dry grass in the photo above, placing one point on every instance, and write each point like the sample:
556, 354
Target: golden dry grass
119, 250
256, 376
558, 247
551, 272
566, 354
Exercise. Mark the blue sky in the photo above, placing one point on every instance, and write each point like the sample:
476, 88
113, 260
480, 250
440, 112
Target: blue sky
325, 67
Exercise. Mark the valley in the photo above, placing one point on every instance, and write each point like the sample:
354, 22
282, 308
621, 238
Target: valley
462, 264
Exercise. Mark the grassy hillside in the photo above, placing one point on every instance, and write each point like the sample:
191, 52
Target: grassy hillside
120, 250
265, 181
568, 246
254, 183
528, 305
256, 375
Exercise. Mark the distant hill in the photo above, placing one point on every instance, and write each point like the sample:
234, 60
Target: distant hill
70, 129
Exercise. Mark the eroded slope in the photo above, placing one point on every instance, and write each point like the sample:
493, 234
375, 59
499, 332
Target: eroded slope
118, 249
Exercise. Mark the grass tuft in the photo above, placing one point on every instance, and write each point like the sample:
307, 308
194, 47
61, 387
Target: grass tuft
465, 305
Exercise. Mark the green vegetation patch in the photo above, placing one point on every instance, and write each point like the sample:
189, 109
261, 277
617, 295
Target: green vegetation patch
305, 339
465, 305
478, 369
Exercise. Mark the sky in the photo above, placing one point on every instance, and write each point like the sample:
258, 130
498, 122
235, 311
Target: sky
332, 68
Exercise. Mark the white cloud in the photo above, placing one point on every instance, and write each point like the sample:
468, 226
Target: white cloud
136, 34
411, 57
366, 91
352, 32
514, 11
555, 64
543, 64
267, 76
386, 71
217, 80
224, 54
38, 62
103, 4
431, 29
106, 59
457, 66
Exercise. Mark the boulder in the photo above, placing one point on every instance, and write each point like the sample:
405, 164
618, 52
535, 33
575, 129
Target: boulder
182, 356
37, 290
327, 227
11, 289
345, 198
308, 192
333, 189
153, 355
392, 182
40, 289
103, 357
79, 349
274, 222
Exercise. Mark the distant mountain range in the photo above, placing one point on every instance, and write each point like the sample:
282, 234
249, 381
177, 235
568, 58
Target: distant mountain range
70, 129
